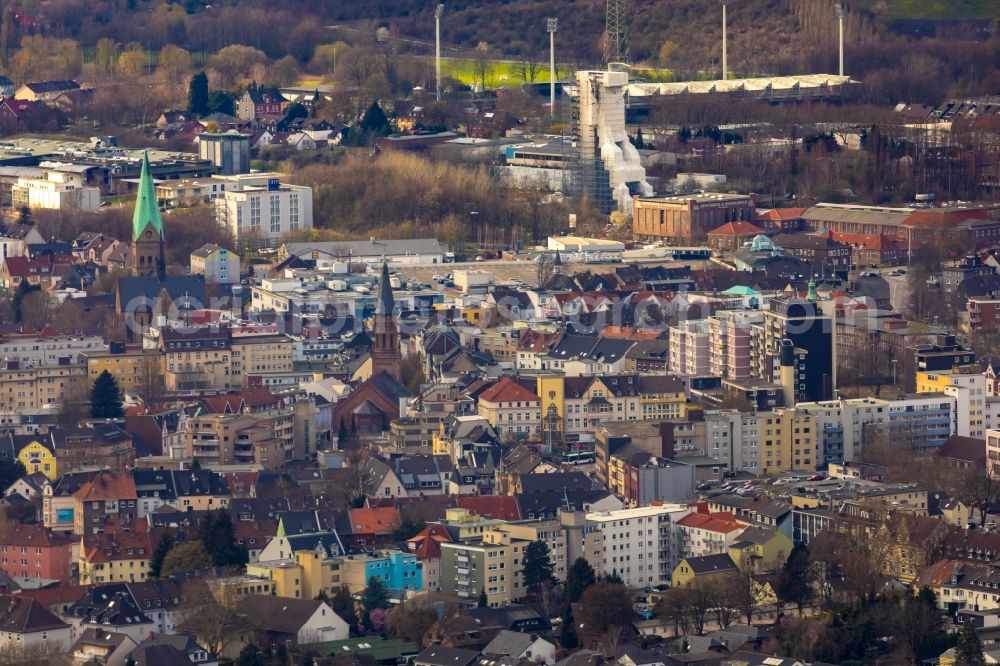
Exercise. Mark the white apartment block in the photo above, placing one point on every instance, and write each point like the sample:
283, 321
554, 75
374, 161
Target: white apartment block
689, 348
639, 544
46, 351
722, 429
261, 215
54, 190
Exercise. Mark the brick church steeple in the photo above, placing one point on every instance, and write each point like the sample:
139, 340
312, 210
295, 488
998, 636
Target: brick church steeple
148, 256
385, 347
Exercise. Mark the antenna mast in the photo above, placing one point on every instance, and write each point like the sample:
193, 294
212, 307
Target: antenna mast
616, 49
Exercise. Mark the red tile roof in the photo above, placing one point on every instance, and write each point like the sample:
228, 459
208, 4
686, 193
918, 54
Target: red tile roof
382, 520
37, 536
738, 228
721, 521
115, 547
52, 596
107, 486
507, 390
501, 507
778, 214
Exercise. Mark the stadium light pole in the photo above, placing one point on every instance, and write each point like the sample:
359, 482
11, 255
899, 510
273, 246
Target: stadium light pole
437, 48
551, 24
839, 9
725, 51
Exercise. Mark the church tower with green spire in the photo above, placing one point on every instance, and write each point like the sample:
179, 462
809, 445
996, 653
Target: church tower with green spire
148, 252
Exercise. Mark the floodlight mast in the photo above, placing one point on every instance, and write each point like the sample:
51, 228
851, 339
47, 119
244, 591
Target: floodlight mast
551, 25
839, 10
437, 48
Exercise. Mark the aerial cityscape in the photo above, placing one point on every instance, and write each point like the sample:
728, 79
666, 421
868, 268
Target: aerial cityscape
562, 332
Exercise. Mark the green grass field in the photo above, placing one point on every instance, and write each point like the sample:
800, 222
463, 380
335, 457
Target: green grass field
981, 10
498, 75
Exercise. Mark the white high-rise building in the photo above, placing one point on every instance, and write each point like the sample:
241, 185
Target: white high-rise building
263, 215
640, 544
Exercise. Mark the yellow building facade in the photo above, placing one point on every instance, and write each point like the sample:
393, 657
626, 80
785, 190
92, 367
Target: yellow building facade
37, 457
787, 441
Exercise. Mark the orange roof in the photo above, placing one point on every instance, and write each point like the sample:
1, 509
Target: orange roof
777, 214
507, 390
936, 574
107, 485
501, 507
427, 544
715, 522
374, 521
738, 228
630, 333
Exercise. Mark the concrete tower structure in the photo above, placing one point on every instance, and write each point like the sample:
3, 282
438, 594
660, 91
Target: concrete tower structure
611, 170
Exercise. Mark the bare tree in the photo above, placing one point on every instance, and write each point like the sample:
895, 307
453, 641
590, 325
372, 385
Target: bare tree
150, 385
211, 611
527, 70
544, 271
74, 404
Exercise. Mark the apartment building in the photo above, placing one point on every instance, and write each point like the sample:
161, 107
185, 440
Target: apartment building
689, 348
260, 355
264, 438
639, 544
512, 410
787, 441
132, 368
967, 385
810, 332
49, 350
703, 533
490, 563
401, 573
729, 342
583, 539
216, 263
198, 359
550, 532
25, 388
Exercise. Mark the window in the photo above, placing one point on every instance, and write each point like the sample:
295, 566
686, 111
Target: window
293, 211
255, 212
275, 214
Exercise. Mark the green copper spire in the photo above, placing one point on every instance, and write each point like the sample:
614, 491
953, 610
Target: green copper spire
281, 529
147, 211
811, 294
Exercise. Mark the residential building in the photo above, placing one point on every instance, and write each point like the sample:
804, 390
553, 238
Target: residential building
197, 358
102, 647
486, 563
34, 552
512, 410
703, 567
822, 254
27, 388
689, 348
639, 544
216, 263
283, 621
731, 236
810, 332
106, 496
46, 91
705, 533
115, 557
729, 343
967, 385
31, 627
133, 368
548, 531
787, 441
264, 438
259, 103
400, 572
